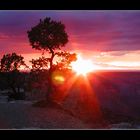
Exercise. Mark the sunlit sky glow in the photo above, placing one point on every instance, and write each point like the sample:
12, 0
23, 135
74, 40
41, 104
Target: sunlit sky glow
82, 66
111, 39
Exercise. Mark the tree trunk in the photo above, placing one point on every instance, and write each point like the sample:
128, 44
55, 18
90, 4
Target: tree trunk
50, 84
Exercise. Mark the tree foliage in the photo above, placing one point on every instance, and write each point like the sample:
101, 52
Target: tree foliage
65, 59
40, 64
48, 35
11, 62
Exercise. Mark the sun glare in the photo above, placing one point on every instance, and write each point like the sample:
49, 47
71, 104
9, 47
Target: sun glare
81, 66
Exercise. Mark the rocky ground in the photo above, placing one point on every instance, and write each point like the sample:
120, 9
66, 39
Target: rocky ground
117, 99
22, 115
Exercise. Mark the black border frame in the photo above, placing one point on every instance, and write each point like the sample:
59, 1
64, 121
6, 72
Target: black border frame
69, 5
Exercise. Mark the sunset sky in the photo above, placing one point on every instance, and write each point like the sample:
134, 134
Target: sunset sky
110, 38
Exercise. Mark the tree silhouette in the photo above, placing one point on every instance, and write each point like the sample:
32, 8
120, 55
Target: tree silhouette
10, 64
39, 72
65, 60
40, 64
48, 35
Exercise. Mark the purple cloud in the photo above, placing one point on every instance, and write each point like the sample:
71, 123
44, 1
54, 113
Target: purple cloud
92, 30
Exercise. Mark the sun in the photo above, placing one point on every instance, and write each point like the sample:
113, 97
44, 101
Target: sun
82, 66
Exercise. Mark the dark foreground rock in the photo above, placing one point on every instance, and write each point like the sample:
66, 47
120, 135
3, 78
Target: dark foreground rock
22, 115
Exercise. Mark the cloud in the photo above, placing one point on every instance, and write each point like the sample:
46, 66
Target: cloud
89, 30
118, 53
